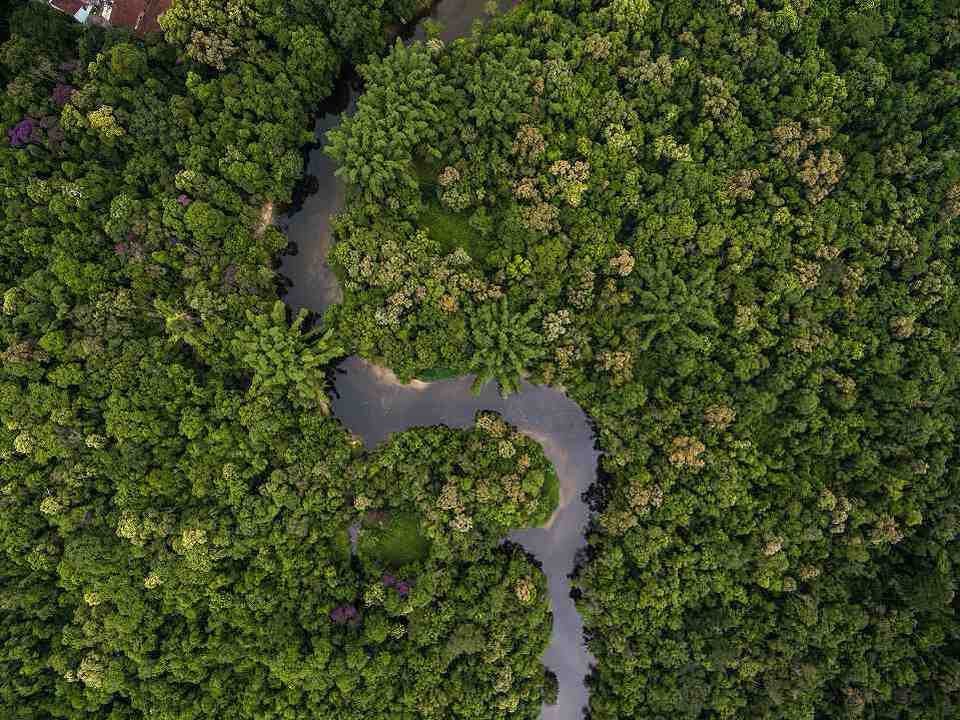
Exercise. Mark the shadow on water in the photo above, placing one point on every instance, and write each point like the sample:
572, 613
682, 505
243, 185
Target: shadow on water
373, 404
310, 281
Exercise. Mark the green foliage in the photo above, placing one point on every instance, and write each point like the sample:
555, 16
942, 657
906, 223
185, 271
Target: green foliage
461, 491
730, 231
174, 499
280, 356
375, 154
504, 345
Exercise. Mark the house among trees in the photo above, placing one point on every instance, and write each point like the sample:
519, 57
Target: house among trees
139, 15
80, 11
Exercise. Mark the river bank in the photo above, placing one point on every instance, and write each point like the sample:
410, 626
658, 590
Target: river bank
372, 403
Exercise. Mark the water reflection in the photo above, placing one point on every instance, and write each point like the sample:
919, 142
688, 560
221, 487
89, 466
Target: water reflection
372, 404
309, 228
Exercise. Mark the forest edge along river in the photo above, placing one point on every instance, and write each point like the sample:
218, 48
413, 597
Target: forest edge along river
372, 403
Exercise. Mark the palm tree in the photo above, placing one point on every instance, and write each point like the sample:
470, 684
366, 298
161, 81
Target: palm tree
503, 345
280, 355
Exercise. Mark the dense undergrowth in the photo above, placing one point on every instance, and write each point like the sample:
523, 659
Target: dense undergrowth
175, 502
730, 230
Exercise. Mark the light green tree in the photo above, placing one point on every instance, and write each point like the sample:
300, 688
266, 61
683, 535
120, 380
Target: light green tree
504, 345
281, 356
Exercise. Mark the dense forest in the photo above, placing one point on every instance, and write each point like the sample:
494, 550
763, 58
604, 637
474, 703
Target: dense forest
729, 229
726, 228
176, 504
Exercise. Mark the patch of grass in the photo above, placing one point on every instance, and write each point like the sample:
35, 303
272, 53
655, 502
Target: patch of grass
551, 493
426, 171
394, 541
450, 229
341, 543
475, 230
549, 499
438, 373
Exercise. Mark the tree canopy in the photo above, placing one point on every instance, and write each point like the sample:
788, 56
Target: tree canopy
175, 500
730, 231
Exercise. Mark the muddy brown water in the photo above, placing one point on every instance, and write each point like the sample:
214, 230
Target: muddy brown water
373, 404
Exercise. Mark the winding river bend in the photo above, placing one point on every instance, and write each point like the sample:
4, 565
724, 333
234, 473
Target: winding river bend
373, 404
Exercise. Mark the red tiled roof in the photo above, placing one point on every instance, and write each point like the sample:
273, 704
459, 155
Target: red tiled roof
70, 7
154, 10
141, 15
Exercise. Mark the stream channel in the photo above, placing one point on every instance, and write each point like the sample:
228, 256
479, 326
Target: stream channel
372, 403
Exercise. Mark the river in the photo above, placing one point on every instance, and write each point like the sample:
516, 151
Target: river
373, 404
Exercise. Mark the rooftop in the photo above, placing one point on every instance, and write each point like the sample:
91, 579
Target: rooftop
141, 15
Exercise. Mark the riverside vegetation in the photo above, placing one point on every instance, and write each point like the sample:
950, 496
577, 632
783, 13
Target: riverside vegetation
727, 228
174, 498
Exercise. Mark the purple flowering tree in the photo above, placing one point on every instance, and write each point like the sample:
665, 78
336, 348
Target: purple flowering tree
21, 133
401, 586
344, 614
62, 94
